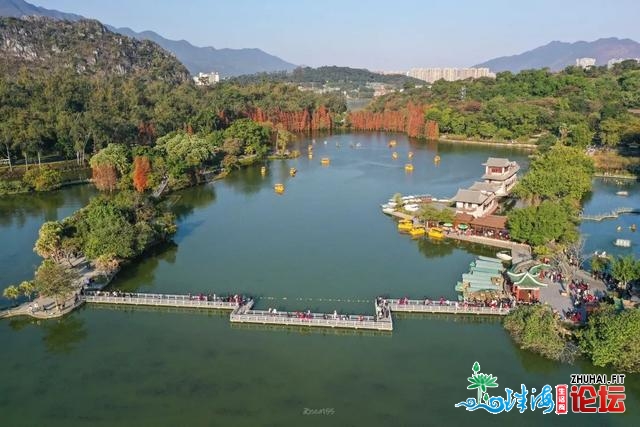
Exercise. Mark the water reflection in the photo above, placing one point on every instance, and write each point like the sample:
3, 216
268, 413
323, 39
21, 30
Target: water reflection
62, 335
186, 201
136, 276
15, 210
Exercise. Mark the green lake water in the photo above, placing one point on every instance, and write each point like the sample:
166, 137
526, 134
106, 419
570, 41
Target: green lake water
322, 245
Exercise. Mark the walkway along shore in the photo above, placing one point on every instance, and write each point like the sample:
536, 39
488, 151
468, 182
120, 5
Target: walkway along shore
242, 310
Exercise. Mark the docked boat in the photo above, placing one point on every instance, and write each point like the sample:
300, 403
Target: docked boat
622, 193
279, 188
388, 211
623, 243
436, 233
504, 256
411, 208
405, 225
417, 231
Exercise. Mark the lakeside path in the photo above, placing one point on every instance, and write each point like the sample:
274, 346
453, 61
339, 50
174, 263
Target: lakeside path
524, 146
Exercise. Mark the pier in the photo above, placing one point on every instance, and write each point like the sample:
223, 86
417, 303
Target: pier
609, 215
435, 307
242, 312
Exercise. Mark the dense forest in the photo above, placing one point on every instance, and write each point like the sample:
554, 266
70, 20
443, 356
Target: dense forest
576, 105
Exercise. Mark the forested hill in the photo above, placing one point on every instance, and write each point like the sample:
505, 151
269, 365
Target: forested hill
333, 75
86, 47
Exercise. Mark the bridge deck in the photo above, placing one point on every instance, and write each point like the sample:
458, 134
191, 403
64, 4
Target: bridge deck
161, 300
418, 306
321, 320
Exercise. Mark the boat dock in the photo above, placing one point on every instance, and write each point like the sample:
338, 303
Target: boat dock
435, 307
609, 215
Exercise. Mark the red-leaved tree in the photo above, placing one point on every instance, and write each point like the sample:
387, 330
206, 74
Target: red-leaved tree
141, 169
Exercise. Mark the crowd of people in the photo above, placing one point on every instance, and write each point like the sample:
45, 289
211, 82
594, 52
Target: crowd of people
235, 298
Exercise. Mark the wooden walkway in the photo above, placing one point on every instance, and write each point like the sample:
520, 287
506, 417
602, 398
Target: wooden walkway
434, 307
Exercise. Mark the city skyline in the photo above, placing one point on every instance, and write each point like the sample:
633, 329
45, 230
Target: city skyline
378, 37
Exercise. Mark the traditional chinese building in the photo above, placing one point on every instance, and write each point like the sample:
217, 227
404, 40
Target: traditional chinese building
502, 173
475, 203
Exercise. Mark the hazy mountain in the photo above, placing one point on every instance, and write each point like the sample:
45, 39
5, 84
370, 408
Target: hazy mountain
20, 8
82, 46
228, 62
558, 55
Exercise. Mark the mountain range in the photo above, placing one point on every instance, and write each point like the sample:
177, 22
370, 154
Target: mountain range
227, 62
558, 55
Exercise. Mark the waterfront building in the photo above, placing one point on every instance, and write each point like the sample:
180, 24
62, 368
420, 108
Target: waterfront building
585, 62
475, 203
502, 172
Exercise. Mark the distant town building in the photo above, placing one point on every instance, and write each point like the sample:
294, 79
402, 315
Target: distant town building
206, 79
613, 61
450, 74
585, 62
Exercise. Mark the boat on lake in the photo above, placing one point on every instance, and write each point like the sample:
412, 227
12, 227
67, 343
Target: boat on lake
623, 243
279, 188
436, 233
622, 193
408, 167
293, 171
504, 256
417, 231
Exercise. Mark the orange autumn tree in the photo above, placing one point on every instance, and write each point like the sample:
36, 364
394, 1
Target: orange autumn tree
141, 170
108, 165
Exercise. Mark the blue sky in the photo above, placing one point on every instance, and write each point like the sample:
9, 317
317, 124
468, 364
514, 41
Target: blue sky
379, 35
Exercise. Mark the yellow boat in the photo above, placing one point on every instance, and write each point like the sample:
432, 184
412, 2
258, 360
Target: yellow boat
436, 233
392, 143
417, 231
325, 161
279, 188
293, 171
410, 154
408, 167
436, 159
309, 147
263, 170
405, 225
310, 156
394, 155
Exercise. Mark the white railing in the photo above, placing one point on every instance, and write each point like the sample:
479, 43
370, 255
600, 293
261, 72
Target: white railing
352, 322
415, 306
161, 300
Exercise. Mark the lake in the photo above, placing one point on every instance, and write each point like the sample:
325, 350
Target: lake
322, 245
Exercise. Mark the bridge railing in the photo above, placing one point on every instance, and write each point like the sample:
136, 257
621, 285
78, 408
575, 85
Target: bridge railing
435, 307
315, 319
170, 302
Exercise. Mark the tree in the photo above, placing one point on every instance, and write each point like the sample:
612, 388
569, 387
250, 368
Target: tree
141, 170
43, 179
568, 258
11, 292
55, 281
541, 224
625, 269
49, 240
27, 288
611, 338
107, 264
536, 328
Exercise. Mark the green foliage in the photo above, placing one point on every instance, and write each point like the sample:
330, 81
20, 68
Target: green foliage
579, 107
611, 339
536, 328
538, 225
12, 187
54, 280
625, 269
43, 179
49, 240
11, 292
560, 173
27, 288
116, 155
254, 137
430, 213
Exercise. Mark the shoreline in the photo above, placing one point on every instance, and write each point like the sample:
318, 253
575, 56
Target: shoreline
524, 146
